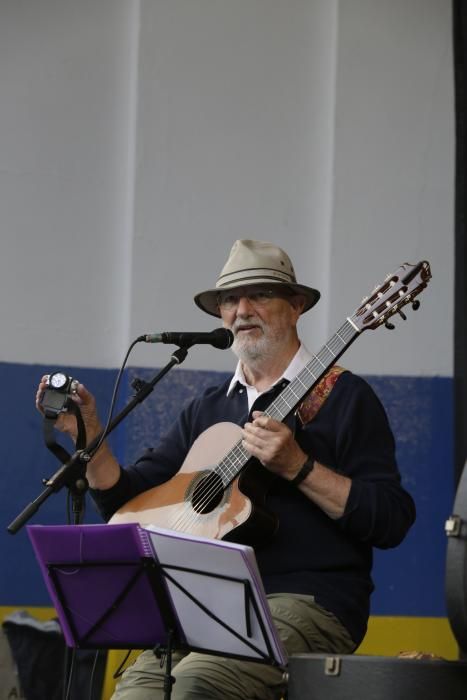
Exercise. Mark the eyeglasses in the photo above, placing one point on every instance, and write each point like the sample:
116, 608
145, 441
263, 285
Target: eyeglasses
256, 296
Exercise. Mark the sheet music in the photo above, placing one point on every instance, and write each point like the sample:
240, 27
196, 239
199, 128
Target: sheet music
224, 597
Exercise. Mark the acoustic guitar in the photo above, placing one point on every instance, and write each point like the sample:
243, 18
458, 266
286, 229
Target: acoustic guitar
220, 489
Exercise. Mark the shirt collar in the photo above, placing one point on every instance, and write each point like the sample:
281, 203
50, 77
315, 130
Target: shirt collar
298, 362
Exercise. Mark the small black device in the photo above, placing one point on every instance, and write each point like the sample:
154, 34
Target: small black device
56, 398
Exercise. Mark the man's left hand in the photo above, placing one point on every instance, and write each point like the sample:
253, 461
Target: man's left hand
274, 445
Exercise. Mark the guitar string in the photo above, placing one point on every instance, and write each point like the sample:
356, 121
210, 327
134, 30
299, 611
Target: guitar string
232, 464
211, 490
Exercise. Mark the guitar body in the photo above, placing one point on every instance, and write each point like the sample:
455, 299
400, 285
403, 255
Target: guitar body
195, 501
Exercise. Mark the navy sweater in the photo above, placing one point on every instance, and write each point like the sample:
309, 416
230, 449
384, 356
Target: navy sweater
310, 553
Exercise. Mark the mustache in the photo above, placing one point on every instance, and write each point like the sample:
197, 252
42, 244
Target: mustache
239, 324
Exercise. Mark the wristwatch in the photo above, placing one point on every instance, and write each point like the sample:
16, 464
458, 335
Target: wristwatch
304, 471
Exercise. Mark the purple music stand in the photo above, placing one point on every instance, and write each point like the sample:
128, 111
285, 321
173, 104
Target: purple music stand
121, 586
105, 585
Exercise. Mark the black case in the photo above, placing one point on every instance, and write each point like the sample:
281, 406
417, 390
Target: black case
355, 677
456, 566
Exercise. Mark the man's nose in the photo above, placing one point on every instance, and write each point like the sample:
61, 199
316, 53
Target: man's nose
244, 306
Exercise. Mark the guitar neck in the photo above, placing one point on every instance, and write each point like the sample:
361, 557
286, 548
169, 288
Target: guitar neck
313, 371
233, 463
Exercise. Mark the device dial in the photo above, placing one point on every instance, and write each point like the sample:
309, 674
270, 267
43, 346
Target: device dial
58, 380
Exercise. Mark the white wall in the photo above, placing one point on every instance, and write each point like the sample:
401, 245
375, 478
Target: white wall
234, 141
66, 82
138, 140
394, 174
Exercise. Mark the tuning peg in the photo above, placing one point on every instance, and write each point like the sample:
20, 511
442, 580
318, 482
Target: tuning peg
415, 305
389, 326
402, 315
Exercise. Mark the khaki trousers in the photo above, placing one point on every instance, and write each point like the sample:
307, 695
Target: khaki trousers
303, 627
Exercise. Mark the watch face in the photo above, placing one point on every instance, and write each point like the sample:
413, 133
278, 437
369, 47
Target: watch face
58, 380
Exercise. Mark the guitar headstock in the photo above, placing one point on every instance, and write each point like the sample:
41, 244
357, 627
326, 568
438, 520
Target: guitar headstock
397, 290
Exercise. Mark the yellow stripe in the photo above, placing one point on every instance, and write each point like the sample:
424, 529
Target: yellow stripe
114, 660
40, 613
386, 636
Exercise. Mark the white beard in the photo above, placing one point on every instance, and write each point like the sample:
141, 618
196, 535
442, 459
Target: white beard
254, 351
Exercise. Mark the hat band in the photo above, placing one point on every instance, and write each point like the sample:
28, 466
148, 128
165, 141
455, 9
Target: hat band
242, 276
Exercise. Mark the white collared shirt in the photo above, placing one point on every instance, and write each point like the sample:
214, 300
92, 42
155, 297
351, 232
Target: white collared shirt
298, 362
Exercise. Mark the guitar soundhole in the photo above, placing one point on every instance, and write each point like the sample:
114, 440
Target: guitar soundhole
207, 493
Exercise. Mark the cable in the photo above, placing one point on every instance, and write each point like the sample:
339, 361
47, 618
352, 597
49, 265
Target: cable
114, 397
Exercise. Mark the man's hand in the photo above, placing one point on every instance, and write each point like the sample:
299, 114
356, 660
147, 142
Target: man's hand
274, 445
103, 471
66, 421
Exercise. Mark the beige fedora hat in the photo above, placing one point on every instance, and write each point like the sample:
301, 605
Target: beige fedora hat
251, 263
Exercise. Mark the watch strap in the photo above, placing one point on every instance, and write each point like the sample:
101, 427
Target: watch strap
304, 471
49, 433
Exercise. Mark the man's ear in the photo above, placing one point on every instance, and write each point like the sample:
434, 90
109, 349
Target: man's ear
298, 301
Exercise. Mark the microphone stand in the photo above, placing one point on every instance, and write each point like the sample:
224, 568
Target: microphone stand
72, 473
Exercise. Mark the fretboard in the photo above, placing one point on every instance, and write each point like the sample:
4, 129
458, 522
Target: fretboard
289, 398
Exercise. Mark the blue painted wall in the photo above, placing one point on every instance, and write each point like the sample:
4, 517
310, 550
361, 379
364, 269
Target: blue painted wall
409, 580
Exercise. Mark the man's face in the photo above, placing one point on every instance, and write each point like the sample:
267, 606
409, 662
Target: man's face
262, 318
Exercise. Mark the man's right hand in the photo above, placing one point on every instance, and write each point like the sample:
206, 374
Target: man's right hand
103, 470
66, 421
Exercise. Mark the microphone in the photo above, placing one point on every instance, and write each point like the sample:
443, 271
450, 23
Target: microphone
220, 338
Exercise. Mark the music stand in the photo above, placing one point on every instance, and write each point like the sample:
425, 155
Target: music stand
121, 586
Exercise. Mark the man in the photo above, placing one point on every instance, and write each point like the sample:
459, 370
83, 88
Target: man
336, 490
